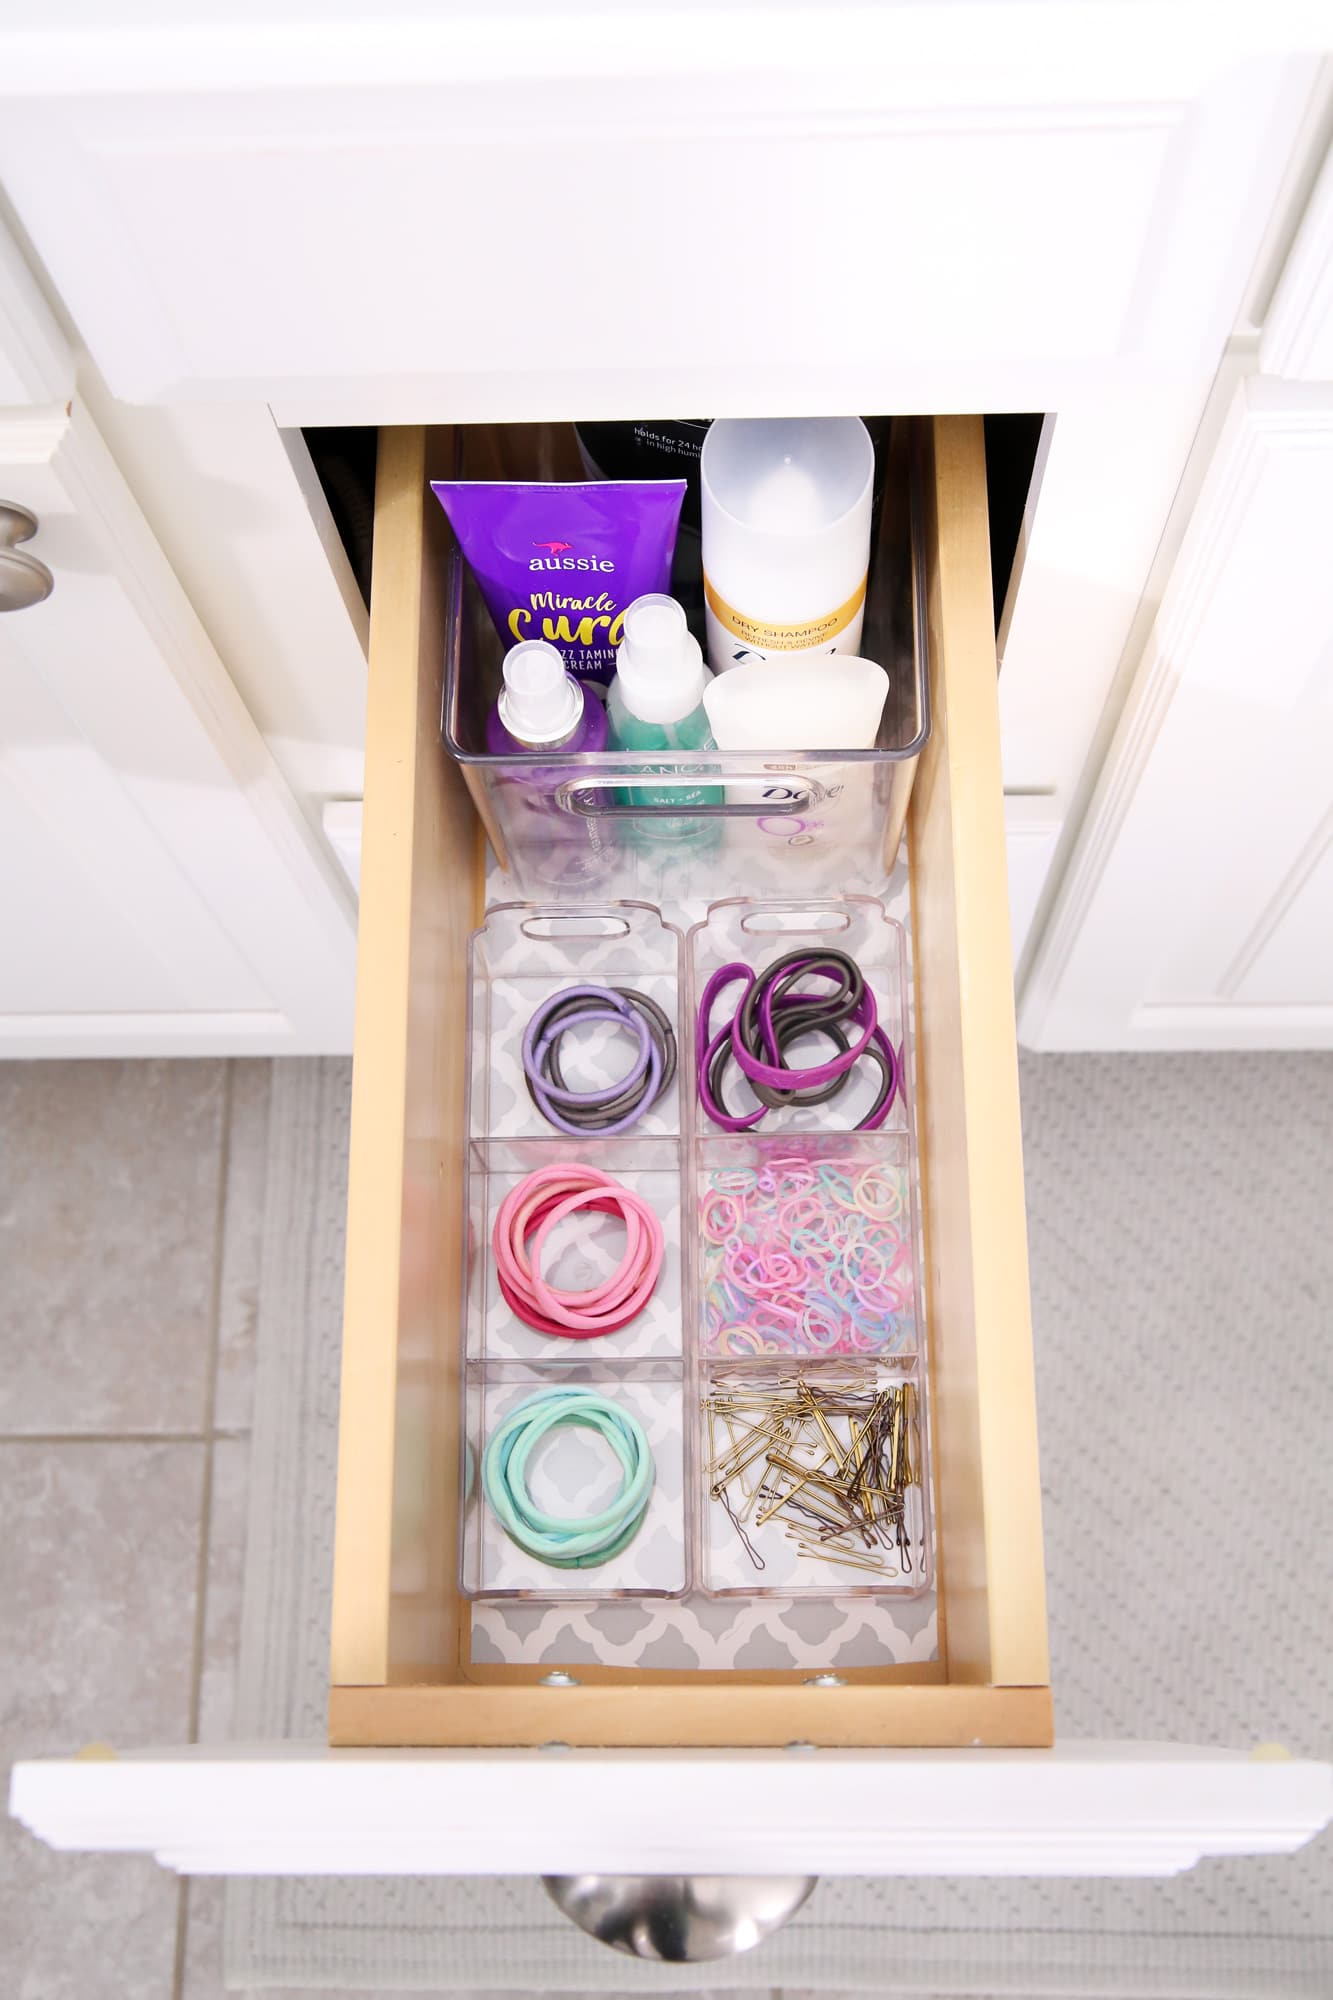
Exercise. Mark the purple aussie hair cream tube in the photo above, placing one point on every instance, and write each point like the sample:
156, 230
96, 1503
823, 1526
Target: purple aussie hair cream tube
564, 563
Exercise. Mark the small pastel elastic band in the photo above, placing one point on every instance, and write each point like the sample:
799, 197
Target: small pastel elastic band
532, 1210
561, 1543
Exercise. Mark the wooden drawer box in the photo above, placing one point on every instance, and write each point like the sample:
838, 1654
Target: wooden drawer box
401, 1667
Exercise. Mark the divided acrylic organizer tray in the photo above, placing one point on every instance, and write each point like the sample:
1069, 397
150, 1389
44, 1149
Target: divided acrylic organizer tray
522, 957
842, 1201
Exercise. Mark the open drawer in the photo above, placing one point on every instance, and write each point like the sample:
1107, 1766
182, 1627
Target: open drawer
402, 1665
451, 1782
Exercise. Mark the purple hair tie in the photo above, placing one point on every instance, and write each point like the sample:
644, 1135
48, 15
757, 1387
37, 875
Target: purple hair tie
616, 1105
706, 1048
778, 1077
771, 1014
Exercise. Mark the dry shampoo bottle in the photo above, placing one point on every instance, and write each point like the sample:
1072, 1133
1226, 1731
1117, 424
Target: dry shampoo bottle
786, 505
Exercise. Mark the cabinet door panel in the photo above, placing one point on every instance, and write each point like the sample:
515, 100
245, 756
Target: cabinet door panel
160, 892
1198, 908
350, 241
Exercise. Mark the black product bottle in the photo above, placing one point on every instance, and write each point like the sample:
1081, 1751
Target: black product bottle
648, 450
665, 449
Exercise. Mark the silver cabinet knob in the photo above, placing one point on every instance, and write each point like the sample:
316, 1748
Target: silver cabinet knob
679, 1917
23, 580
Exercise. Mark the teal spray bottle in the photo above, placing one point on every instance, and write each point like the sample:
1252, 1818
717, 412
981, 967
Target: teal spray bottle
656, 703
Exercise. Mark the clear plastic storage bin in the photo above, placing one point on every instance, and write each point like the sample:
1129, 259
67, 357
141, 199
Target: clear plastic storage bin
844, 1207
572, 1474
584, 1249
755, 932
526, 953
570, 825
782, 1444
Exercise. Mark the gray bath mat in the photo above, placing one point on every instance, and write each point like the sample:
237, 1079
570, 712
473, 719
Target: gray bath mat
1182, 1269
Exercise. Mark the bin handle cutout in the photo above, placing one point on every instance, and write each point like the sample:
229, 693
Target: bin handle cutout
585, 925
765, 922
774, 797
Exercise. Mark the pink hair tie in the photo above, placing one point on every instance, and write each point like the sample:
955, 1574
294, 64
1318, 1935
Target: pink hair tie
532, 1210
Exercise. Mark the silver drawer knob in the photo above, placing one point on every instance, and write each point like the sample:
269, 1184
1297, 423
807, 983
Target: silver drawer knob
679, 1917
23, 580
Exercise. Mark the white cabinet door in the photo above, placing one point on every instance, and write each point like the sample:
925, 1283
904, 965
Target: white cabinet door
160, 891
36, 361
1198, 909
391, 220
1080, 1809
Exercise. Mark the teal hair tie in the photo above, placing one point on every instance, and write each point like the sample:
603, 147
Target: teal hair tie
578, 1544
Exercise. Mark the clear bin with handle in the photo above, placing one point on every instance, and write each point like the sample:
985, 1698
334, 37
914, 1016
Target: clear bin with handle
604, 823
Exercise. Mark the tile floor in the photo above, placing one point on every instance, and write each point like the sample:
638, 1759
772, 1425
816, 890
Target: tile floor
131, 1200
131, 1213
